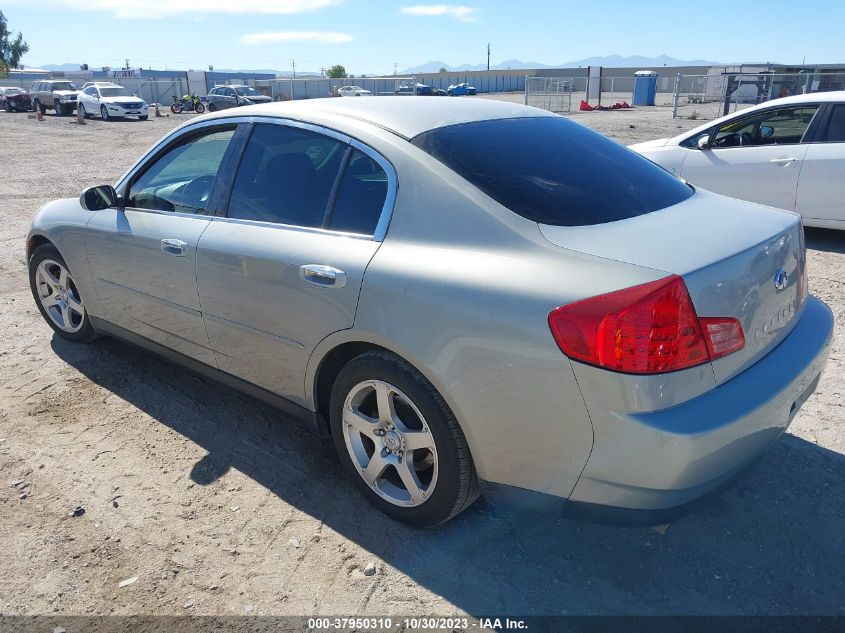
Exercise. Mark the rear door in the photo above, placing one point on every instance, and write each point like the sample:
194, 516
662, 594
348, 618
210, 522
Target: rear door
284, 269
755, 158
143, 257
821, 192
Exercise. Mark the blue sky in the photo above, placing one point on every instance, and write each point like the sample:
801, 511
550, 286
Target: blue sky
369, 36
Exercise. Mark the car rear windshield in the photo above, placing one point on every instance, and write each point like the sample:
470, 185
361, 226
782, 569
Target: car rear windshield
554, 171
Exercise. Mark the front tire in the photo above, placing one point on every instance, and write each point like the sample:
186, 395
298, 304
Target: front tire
7, 107
199, 108
400, 442
144, 117
60, 111
104, 113
57, 295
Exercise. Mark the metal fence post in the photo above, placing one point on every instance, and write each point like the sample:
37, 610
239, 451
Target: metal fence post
676, 96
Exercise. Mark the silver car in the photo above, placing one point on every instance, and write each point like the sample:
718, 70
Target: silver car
222, 97
465, 296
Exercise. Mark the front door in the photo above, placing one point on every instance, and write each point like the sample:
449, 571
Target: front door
284, 269
143, 257
755, 158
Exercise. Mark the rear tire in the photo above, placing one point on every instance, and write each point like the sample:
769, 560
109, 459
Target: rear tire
212, 107
176, 108
82, 111
445, 478
37, 105
7, 107
54, 289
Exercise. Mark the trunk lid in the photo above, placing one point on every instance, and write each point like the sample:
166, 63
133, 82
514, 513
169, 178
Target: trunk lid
737, 259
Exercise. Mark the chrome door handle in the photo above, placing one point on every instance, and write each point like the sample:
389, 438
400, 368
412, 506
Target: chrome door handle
783, 161
321, 275
174, 247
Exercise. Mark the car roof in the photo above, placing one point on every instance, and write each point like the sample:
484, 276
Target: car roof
406, 116
811, 97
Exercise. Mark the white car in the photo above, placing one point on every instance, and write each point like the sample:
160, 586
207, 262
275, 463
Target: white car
787, 153
109, 100
353, 91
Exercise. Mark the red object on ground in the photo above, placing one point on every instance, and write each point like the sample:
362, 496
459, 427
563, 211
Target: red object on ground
619, 105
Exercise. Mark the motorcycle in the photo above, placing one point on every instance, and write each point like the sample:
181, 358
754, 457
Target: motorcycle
187, 103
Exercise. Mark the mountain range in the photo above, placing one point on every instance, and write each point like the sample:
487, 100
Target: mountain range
612, 61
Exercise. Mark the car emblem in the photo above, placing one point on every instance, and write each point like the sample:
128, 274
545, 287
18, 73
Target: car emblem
781, 279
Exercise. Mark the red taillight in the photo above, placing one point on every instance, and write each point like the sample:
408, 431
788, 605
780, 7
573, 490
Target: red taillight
647, 329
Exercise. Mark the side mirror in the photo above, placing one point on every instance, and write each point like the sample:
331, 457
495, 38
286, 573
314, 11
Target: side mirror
98, 198
766, 131
704, 142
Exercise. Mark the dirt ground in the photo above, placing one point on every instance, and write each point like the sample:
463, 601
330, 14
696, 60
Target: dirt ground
216, 506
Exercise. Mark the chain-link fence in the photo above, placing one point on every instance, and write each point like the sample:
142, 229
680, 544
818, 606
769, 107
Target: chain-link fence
549, 93
319, 88
712, 96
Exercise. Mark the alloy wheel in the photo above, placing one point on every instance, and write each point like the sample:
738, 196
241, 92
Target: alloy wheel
390, 443
59, 296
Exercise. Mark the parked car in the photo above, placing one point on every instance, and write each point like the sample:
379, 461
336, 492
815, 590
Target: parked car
418, 89
222, 97
54, 94
109, 100
457, 90
787, 153
13, 99
353, 91
537, 312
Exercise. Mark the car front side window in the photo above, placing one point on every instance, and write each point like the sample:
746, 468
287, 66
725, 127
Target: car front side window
182, 178
781, 126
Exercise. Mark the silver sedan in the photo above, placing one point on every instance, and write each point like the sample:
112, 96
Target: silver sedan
463, 297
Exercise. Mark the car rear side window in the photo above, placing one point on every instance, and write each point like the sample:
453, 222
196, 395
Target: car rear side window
554, 171
360, 198
835, 130
286, 175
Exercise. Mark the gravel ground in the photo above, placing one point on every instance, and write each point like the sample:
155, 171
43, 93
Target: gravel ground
217, 507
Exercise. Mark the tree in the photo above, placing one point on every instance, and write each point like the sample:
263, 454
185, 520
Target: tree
11, 50
336, 72
443, 69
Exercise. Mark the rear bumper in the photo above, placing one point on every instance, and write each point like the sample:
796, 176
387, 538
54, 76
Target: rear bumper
647, 468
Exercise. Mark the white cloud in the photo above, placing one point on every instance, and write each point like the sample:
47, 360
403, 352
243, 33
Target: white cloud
459, 12
320, 37
139, 9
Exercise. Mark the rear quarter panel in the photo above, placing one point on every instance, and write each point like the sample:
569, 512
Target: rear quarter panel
462, 288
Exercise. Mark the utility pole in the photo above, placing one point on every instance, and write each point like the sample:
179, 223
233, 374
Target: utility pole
127, 65
395, 68
293, 66
488, 55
